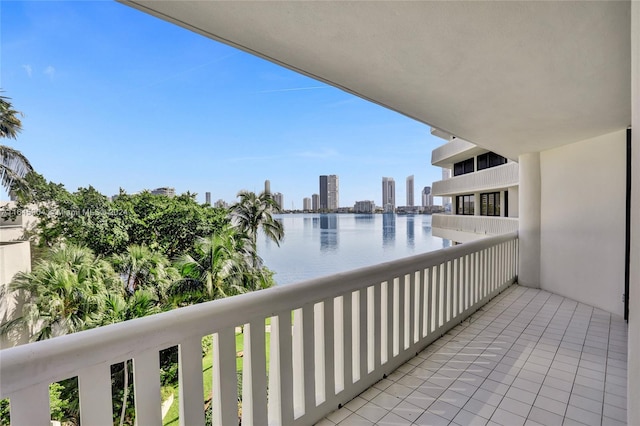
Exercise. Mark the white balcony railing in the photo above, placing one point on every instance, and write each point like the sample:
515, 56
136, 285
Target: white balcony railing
331, 338
502, 176
486, 225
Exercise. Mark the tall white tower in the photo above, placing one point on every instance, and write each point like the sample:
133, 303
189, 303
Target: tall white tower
410, 181
388, 194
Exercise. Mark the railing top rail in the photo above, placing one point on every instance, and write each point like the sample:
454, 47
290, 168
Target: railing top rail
62, 357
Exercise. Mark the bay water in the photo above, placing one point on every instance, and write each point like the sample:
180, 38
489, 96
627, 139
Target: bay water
316, 245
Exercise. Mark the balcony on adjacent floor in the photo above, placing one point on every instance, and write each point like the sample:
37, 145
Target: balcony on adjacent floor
465, 228
452, 152
498, 177
357, 340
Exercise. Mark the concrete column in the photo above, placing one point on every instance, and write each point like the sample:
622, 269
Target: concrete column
477, 207
529, 223
633, 367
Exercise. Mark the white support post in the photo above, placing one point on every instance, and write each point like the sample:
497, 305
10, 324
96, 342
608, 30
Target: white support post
225, 378
190, 382
529, 222
94, 387
30, 406
254, 374
146, 379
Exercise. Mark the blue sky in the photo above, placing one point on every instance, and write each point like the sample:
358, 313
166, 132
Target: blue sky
114, 98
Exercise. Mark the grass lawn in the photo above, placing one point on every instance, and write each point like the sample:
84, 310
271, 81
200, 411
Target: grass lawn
172, 417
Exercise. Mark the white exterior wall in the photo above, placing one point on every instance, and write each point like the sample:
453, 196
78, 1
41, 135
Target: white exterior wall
513, 201
14, 257
633, 367
583, 221
529, 230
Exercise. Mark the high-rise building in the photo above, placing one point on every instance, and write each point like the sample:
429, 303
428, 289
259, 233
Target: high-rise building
267, 186
306, 204
388, 194
334, 193
166, 191
207, 198
279, 199
366, 206
324, 193
329, 193
427, 197
315, 202
410, 191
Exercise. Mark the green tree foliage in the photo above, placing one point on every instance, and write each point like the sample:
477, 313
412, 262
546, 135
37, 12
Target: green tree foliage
253, 212
217, 269
169, 225
65, 293
13, 165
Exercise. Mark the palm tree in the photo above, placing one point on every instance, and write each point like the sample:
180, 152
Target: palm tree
65, 293
141, 268
217, 270
254, 212
13, 165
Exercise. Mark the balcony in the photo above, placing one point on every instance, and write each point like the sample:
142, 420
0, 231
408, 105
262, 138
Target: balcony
527, 357
464, 228
353, 348
452, 152
330, 340
503, 176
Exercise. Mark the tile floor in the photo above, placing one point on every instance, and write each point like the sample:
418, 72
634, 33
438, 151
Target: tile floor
528, 357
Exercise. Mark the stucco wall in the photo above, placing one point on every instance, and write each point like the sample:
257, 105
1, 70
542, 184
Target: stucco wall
513, 201
583, 221
633, 379
14, 257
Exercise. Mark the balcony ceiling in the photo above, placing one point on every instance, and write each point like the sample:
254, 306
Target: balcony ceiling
514, 77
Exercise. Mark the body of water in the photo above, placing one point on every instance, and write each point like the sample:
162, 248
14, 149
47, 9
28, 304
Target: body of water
316, 245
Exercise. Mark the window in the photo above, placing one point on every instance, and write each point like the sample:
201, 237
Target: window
490, 204
463, 167
490, 159
465, 204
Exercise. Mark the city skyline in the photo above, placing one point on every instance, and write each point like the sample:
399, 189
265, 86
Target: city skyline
241, 118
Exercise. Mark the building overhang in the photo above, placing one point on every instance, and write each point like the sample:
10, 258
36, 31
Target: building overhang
513, 77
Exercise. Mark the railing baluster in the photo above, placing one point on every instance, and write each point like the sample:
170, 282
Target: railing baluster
428, 298
191, 382
396, 317
363, 329
94, 387
299, 379
418, 307
414, 307
339, 344
329, 349
384, 323
348, 340
254, 374
402, 307
319, 353
308, 355
371, 330
280, 404
146, 379
445, 293
377, 326
436, 283
225, 378
389, 318
30, 406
